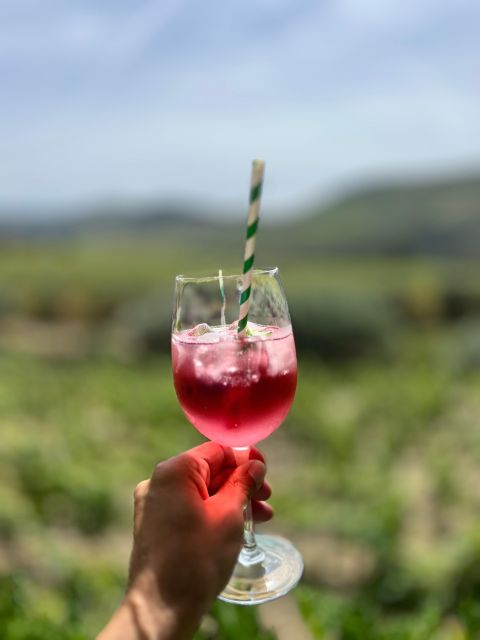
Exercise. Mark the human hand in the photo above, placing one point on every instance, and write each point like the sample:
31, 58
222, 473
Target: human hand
188, 528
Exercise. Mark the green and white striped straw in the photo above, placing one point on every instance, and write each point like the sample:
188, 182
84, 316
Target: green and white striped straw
256, 183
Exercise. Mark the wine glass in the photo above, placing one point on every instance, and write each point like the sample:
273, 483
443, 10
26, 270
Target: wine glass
236, 389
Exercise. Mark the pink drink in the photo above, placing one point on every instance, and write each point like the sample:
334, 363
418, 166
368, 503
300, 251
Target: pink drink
235, 391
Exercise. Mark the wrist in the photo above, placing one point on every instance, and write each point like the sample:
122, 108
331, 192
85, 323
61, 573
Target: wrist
157, 619
152, 620
138, 618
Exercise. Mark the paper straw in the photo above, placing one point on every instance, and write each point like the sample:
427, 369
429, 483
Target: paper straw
256, 183
222, 293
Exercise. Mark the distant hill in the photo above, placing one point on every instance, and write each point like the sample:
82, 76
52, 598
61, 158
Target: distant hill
429, 218
125, 218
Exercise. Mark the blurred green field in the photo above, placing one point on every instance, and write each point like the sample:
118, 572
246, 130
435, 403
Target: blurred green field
374, 472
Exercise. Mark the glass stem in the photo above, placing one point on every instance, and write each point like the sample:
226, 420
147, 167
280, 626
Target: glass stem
248, 528
250, 554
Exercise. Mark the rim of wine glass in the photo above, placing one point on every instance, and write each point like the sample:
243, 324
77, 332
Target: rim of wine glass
271, 271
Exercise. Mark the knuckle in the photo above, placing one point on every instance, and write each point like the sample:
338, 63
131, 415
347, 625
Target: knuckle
191, 463
140, 490
173, 469
189, 467
200, 465
158, 469
163, 470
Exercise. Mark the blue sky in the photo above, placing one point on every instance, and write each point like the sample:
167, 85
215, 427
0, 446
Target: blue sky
123, 98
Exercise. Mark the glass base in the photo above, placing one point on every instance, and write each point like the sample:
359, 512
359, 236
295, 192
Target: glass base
269, 573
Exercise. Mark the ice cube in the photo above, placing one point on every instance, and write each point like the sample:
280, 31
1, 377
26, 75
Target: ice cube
200, 330
210, 337
258, 331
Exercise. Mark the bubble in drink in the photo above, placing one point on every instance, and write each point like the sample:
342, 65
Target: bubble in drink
235, 390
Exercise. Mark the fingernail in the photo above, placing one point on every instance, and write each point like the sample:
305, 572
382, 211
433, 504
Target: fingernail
256, 470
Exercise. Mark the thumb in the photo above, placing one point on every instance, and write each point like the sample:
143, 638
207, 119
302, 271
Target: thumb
242, 483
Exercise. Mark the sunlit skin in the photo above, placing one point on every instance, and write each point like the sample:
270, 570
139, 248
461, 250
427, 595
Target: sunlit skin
188, 531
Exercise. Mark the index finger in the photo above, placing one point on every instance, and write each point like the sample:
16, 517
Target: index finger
256, 454
216, 456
